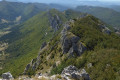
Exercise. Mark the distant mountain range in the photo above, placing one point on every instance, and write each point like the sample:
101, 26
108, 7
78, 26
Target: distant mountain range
74, 3
11, 10
107, 15
19, 11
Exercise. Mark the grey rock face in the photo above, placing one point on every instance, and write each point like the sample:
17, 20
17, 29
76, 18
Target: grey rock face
7, 76
81, 48
34, 66
55, 22
73, 72
67, 26
27, 68
70, 44
69, 69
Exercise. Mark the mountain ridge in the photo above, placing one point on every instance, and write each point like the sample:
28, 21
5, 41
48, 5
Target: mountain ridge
69, 48
53, 42
107, 15
45, 25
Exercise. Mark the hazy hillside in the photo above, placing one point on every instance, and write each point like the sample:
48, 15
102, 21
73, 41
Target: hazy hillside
9, 11
115, 7
107, 15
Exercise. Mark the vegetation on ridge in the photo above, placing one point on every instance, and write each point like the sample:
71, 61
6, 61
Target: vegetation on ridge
25, 41
102, 51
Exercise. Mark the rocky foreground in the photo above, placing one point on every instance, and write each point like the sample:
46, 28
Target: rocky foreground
69, 73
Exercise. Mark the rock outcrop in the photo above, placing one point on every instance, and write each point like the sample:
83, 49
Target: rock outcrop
71, 43
7, 76
27, 68
55, 22
35, 62
32, 65
105, 29
72, 72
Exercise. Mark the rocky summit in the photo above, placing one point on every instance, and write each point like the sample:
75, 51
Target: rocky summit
7, 76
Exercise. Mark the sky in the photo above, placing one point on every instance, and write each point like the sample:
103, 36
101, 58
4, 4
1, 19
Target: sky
60, 0
74, 2
66, 0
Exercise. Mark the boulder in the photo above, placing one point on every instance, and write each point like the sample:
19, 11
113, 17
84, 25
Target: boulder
89, 65
74, 73
38, 74
7, 76
70, 69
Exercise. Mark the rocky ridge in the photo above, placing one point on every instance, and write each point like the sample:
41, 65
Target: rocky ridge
70, 44
55, 22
